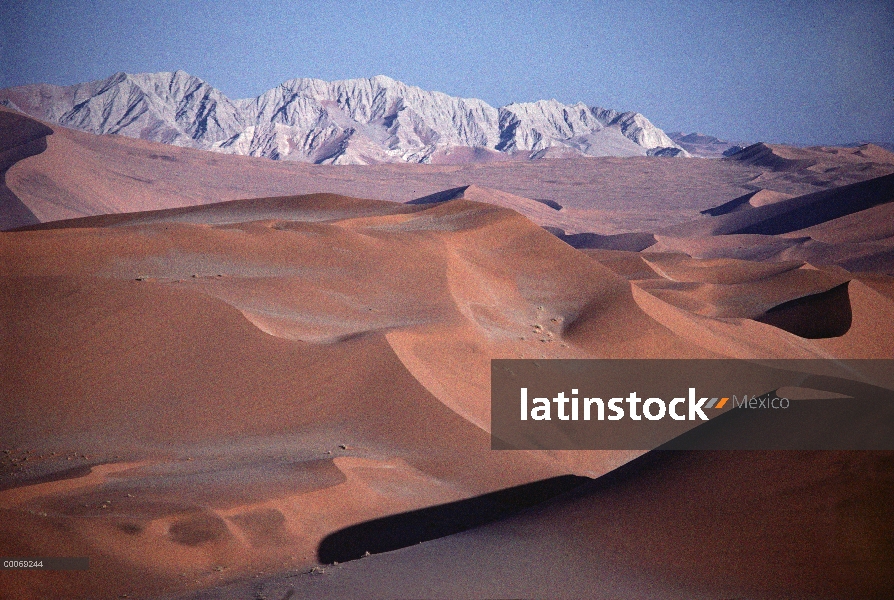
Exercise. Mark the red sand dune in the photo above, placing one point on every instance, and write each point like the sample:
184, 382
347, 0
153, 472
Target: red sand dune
850, 226
197, 395
788, 158
785, 215
201, 351
699, 525
790, 168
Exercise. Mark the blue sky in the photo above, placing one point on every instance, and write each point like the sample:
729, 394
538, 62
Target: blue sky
803, 72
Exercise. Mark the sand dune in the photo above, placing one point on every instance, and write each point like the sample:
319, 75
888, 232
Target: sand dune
787, 158
790, 168
245, 341
750, 200
149, 326
539, 212
848, 226
786, 215
817, 527
205, 391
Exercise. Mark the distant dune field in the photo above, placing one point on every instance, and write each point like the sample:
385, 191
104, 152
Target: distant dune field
79, 174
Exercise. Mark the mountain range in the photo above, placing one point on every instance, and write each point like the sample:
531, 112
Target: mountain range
354, 121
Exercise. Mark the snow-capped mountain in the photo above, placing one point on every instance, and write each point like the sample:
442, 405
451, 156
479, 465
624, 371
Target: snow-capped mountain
355, 121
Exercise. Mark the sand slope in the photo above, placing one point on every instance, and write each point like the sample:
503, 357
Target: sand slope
201, 353
817, 526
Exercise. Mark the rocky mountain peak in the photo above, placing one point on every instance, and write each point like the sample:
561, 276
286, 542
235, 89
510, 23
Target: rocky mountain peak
357, 121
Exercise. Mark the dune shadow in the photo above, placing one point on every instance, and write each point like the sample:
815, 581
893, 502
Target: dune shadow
70, 473
20, 137
409, 528
731, 206
550, 203
630, 242
442, 196
817, 316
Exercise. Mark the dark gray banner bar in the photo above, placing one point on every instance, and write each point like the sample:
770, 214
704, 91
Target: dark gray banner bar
692, 404
46, 564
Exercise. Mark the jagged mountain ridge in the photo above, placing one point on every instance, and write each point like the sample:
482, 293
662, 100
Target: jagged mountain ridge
354, 121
